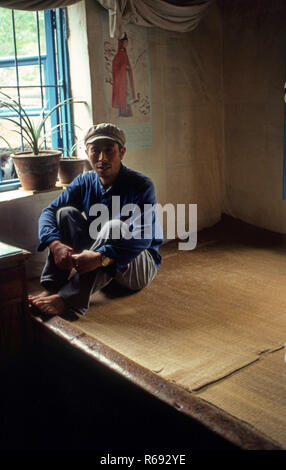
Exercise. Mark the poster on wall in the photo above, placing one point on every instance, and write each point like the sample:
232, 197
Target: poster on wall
128, 84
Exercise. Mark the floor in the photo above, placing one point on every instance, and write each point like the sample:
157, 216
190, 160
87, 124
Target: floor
207, 340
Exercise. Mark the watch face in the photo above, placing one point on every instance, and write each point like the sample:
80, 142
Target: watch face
105, 260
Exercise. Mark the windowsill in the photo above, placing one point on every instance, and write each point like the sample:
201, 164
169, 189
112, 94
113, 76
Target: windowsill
8, 196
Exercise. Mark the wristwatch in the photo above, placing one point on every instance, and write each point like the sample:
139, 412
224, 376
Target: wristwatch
105, 261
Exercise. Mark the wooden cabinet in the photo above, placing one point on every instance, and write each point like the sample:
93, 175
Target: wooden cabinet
14, 317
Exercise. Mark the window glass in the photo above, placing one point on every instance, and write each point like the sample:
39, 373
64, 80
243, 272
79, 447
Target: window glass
38, 84
26, 32
30, 76
8, 76
42, 32
6, 34
11, 133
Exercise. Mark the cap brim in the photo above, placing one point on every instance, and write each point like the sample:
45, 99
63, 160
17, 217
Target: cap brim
99, 137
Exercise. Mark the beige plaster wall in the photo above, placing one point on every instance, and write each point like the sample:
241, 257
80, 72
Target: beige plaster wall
186, 160
254, 74
80, 76
19, 224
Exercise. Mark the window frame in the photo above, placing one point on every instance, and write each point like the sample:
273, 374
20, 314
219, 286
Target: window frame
54, 81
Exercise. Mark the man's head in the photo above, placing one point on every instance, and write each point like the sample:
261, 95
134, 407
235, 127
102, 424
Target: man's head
124, 41
105, 147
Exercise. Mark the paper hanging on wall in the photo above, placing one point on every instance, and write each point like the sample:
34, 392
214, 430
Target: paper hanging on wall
128, 84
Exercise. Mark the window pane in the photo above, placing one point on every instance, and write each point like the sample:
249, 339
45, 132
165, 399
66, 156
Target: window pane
26, 32
31, 99
12, 92
28, 78
7, 76
7, 129
30, 75
42, 31
11, 133
6, 35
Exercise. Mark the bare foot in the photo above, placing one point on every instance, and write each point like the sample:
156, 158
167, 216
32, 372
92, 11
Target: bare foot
45, 293
49, 304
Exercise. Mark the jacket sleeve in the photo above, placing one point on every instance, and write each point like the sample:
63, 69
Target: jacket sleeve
71, 196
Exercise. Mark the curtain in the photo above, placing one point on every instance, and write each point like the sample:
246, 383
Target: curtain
172, 15
180, 15
36, 4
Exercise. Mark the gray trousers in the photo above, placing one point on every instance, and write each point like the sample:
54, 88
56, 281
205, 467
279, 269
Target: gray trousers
76, 290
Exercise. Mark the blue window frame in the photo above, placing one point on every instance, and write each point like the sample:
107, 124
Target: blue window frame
53, 79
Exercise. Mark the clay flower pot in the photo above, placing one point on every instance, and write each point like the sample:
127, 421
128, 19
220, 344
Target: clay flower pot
69, 168
37, 169
37, 172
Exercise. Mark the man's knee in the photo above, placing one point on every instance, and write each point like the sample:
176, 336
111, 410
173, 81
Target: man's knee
65, 213
113, 229
139, 273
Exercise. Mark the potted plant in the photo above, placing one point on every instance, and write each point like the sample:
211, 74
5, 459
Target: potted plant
70, 166
37, 169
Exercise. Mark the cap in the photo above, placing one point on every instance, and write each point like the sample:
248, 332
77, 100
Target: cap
105, 131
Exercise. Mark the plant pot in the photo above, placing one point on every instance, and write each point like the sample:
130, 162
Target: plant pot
37, 172
69, 168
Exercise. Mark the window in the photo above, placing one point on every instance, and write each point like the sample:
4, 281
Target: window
34, 72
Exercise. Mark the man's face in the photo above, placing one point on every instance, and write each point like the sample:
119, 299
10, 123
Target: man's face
105, 158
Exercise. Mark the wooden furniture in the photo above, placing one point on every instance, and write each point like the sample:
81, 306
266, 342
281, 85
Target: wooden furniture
14, 320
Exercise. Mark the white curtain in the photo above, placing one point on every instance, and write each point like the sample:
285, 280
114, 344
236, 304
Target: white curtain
173, 15
181, 15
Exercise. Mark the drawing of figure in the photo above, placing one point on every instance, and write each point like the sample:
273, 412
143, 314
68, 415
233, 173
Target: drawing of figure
123, 90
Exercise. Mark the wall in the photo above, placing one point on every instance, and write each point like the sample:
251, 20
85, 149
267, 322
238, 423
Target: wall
254, 76
19, 224
186, 160
79, 66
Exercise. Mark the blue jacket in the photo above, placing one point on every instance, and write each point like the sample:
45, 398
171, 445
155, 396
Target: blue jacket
130, 187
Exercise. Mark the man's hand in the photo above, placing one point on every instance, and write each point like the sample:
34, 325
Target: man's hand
62, 254
86, 261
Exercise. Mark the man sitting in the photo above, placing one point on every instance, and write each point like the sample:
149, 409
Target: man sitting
85, 253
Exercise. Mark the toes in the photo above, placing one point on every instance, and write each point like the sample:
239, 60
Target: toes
41, 295
51, 305
32, 297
